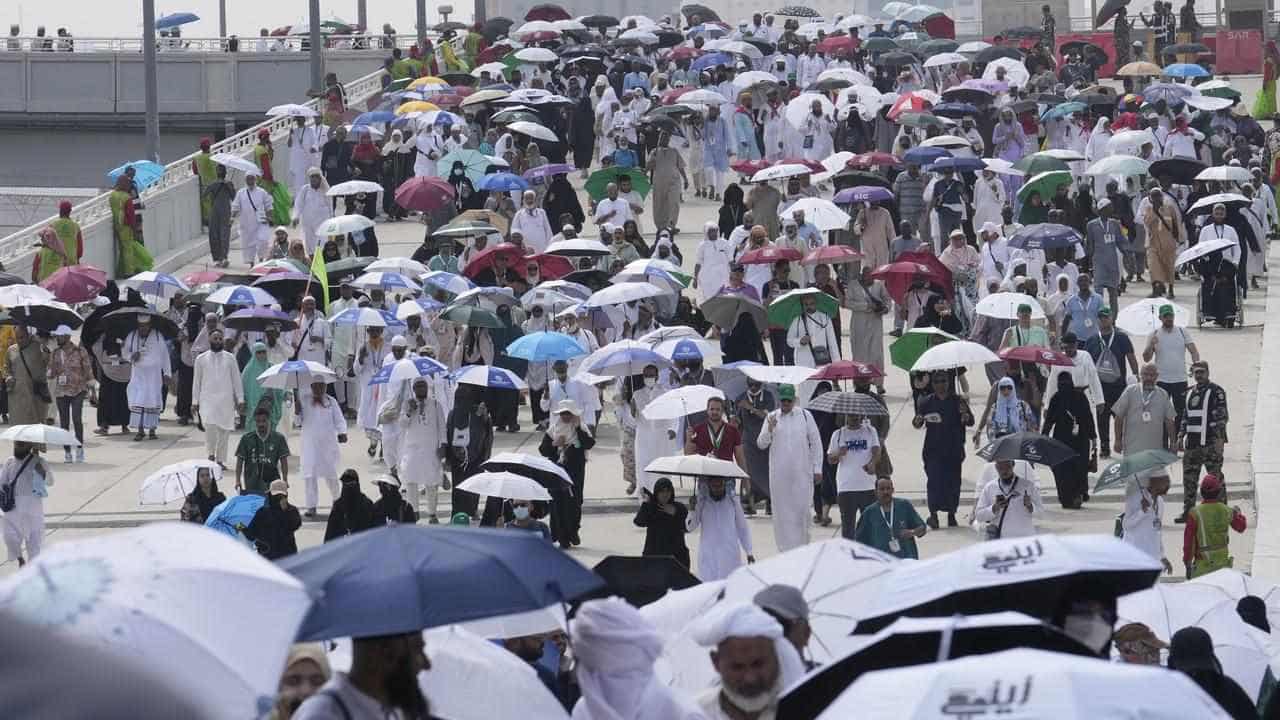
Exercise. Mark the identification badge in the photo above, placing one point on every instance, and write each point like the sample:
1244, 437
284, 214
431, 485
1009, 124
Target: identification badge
808, 142
1146, 416
894, 545
1109, 239
62, 379
1088, 322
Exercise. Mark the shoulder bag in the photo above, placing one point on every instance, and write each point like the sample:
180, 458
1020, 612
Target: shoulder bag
39, 388
7, 497
821, 353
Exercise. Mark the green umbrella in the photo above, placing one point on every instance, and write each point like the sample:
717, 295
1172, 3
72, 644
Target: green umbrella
600, 179
474, 163
465, 228
1045, 183
879, 44
788, 307
907, 349
472, 316
920, 120
1040, 163
1117, 472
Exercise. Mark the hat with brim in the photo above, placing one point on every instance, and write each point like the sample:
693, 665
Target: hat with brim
278, 487
786, 392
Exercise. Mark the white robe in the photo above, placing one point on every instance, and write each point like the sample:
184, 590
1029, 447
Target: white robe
312, 337
428, 144
713, 266
724, 531
310, 208
148, 371
775, 125
790, 444
392, 394
321, 426
988, 199
304, 154
252, 206
822, 333
217, 388
422, 433
652, 436
1017, 520
25, 522
585, 396
370, 395
1142, 527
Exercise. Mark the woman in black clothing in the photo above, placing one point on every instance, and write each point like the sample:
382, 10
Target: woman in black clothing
352, 511
732, 210
201, 501
391, 506
1069, 419
566, 443
663, 519
824, 493
631, 231
743, 342
505, 404
470, 444
1191, 652
561, 199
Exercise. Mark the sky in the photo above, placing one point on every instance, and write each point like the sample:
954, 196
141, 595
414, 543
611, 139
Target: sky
123, 18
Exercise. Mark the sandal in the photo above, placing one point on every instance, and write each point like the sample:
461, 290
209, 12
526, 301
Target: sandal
139, 437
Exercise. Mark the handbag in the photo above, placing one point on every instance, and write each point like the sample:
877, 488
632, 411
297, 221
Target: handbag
39, 388
8, 498
821, 353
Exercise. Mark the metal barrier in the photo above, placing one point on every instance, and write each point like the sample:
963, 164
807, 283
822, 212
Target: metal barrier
171, 218
248, 44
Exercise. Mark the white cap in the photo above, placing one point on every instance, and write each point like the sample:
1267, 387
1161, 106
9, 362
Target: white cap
990, 227
1104, 202
568, 406
399, 341
62, 331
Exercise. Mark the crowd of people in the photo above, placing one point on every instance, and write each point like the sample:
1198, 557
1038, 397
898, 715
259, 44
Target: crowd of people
985, 214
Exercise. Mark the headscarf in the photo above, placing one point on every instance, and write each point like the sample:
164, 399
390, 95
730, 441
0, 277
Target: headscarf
1253, 610
1192, 649
616, 648
253, 389
365, 151
309, 651
747, 620
393, 145
1008, 413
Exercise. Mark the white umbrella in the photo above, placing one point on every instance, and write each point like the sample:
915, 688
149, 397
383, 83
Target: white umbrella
1002, 167
1143, 317
1237, 584
973, 46
1208, 102
577, 247
1166, 608
777, 172
641, 21
829, 574
1004, 306
946, 141
292, 110
824, 214
695, 466
505, 485
832, 165
344, 224
533, 462
752, 78
474, 679
402, 265
495, 69
1121, 165
1200, 249
353, 187
533, 26
533, 130
702, 97
567, 25
684, 664
1015, 73
294, 374
680, 402
657, 337
40, 433
364, 317
1025, 683
410, 308
643, 36
1244, 650
532, 622
1064, 155
1216, 198
12, 295
802, 106
536, 55
174, 482
941, 59
161, 594
855, 20
739, 47
156, 284
1226, 173
235, 162
846, 74
622, 293
1129, 142
374, 133
383, 280
224, 296
956, 353
780, 374
547, 299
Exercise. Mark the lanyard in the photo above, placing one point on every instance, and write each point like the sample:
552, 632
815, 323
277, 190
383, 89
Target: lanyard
1146, 397
716, 437
888, 519
1217, 230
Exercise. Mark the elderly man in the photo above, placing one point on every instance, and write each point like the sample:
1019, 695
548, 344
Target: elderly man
1165, 233
616, 648
787, 605
795, 466
532, 223
311, 207
612, 209
1145, 417
323, 429
874, 227
26, 365
724, 529
253, 206
218, 396
149, 356
753, 658
1143, 514
343, 349
312, 335
668, 178
711, 268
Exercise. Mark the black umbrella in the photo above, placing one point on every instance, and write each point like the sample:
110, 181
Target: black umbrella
1092, 53
798, 11
764, 46
1050, 98
937, 45
449, 25
7, 279
495, 28
594, 279
1108, 10
348, 268
662, 123
1029, 446
704, 13
595, 50
917, 641
626, 42
599, 21
973, 96
636, 60
1182, 171
995, 52
642, 580
535, 467
852, 178
458, 78
43, 316
1024, 106
1187, 49
1093, 99
898, 57
119, 323
830, 84
668, 37
1022, 32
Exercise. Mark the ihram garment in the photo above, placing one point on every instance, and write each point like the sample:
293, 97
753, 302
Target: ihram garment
795, 456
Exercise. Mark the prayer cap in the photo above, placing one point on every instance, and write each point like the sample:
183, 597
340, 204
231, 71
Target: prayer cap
399, 341
1166, 309
62, 331
1104, 202
785, 601
568, 406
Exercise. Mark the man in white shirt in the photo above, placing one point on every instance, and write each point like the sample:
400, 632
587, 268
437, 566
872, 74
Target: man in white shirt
1143, 515
217, 394
809, 67
429, 146
612, 209
311, 339
1008, 504
562, 387
711, 269
994, 253
304, 147
531, 222
311, 207
253, 206
854, 449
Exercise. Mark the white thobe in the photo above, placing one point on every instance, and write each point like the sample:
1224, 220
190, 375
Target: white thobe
996, 251
25, 522
147, 376
775, 126
821, 332
1182, 144
534, 226
422, 433
370, 395
1084, 375
312, 337
392, 394
795, 457
621, 212
303, 153
585, 396
988, 199
1017, 520
310, 208
217, 388
321, 426
253, 205
1142, 527
713, 261
808, 68
427, 144
1224, 231
816, 133
653, 437
724, 531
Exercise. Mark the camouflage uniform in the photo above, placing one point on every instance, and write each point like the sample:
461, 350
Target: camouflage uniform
1203, 424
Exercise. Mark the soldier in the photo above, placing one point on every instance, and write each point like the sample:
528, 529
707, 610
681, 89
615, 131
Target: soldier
1202, 434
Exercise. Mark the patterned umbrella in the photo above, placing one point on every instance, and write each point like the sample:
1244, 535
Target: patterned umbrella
848, 370
1029, 446
848, 403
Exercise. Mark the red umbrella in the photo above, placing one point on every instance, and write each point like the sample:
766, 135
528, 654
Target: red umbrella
684, 52
838, 44
424, 193
447, 100
671, 97
549, 12
483, 260
910, 102
1037, 354
494, 53
832, 254
202, 276
770, 255
898, 276
873, 159
551, 267
849, 370
76, 283
540, 36
749, 167
813, 165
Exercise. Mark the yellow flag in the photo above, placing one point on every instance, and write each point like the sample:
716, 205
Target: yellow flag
321, 273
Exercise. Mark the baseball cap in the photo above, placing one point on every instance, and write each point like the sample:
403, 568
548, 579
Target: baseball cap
783, 600
62, 331
1166, 309
278, 487
786, 392
1104, 311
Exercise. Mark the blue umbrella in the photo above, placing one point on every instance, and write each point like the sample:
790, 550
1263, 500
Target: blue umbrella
1044, 236
488, 376
234, 513
175, 19
965, 164
924, 155
711, 60
1063, 110
954, 109
448, 282
374, 116
862, 193
686, 350
546, 347
1171, 93
542, 172
406, 369
625, 361
1185, 70
406, 578
502, 182
145, 173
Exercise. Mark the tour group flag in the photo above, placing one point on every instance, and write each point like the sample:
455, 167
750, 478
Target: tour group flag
321, 273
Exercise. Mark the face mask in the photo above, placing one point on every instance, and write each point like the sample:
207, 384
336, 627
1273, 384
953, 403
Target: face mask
521, 512
457, 173
1089, 629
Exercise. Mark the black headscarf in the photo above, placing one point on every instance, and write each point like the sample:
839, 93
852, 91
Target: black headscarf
930, 317
1253, 610
562, 199
743, 341
732, 210
1191, 652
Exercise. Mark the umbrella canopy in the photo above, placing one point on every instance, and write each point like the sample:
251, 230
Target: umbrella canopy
533, 130
1004, 306
546, 347
848, 370
424, 193
536, 467
145, 173
724, 308
508, 486
408, 368
241, 295
386, 581
119, 323
387, 281
446, 281
1184, 70
1236, 585
622, 293
777, 172
641, 580
296, 374
680, 402
46, 316
175, 481
1040, 162
472, 678
770, 255
778, 374
1028, 446
848, 402
1133, 465
822, 213
1045, 183
1140, 68
132, 593
157, 284
1040, 684
1036, 354
258, 319
832, 255
598, 183
234, 514
39, 433
344, 224
75, 283
917, 641
1226, 173
952, 355
1044, 236
695, 466
471, 316
489, 377
21, 293
621, 358
353, 187
366, 317
789, 306
906, 350
899, 275
1124, 165
863, 193
1141, 318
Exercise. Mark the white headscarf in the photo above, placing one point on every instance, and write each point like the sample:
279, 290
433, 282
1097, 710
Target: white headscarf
616, 648
748, 620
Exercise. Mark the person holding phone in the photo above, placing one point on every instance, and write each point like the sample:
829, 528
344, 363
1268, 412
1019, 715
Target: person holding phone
854, 450
1008, 504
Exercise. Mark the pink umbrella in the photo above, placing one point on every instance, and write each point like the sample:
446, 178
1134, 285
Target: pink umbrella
201, 277
76, 283
770, 255
424, 193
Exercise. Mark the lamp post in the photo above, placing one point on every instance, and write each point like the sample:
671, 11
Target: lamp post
317, 58
150, 83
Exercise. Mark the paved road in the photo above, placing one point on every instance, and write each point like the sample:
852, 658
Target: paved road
102, 494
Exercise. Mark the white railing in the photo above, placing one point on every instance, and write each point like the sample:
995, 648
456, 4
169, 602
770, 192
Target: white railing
248, 44
18, 246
